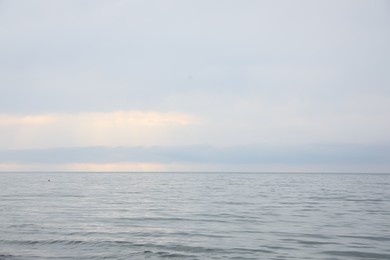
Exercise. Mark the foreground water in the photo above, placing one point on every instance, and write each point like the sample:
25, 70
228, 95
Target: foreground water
194, 216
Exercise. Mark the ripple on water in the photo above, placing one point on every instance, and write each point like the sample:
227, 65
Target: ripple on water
358, 254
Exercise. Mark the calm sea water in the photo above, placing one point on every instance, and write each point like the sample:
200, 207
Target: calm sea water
194, 216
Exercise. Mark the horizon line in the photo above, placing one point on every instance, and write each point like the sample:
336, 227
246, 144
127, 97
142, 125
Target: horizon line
254, 172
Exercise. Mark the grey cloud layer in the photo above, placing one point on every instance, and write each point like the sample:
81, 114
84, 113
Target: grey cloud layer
254, 154
279, 73
72, 56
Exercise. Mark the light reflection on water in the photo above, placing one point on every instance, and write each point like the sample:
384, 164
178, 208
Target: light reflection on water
194, 216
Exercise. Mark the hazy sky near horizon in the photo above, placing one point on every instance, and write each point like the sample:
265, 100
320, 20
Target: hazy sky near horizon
195, 85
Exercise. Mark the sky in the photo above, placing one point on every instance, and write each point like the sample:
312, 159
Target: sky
300, 86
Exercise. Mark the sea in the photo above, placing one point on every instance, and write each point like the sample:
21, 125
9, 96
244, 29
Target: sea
86, 215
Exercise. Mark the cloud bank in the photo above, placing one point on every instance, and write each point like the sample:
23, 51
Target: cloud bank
319, 157
86, 129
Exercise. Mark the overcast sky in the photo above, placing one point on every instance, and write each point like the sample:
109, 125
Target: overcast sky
195, 85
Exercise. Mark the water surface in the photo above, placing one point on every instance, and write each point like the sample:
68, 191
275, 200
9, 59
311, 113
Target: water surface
194, 216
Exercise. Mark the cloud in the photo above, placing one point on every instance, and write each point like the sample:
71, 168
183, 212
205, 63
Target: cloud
66, 56
8, 120
278, 73
84, 167
85, 129
319, 157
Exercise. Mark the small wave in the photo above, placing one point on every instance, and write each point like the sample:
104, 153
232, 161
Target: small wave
181, 248
280, 248
358, 254
164, 254
305, 242
373, 238
251, 250
181, 251
169, 219
7, 257
45, 242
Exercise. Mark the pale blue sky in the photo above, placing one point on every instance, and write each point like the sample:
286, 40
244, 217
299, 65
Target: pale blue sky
195, 85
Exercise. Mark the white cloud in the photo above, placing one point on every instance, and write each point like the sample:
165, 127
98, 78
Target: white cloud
91, 129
